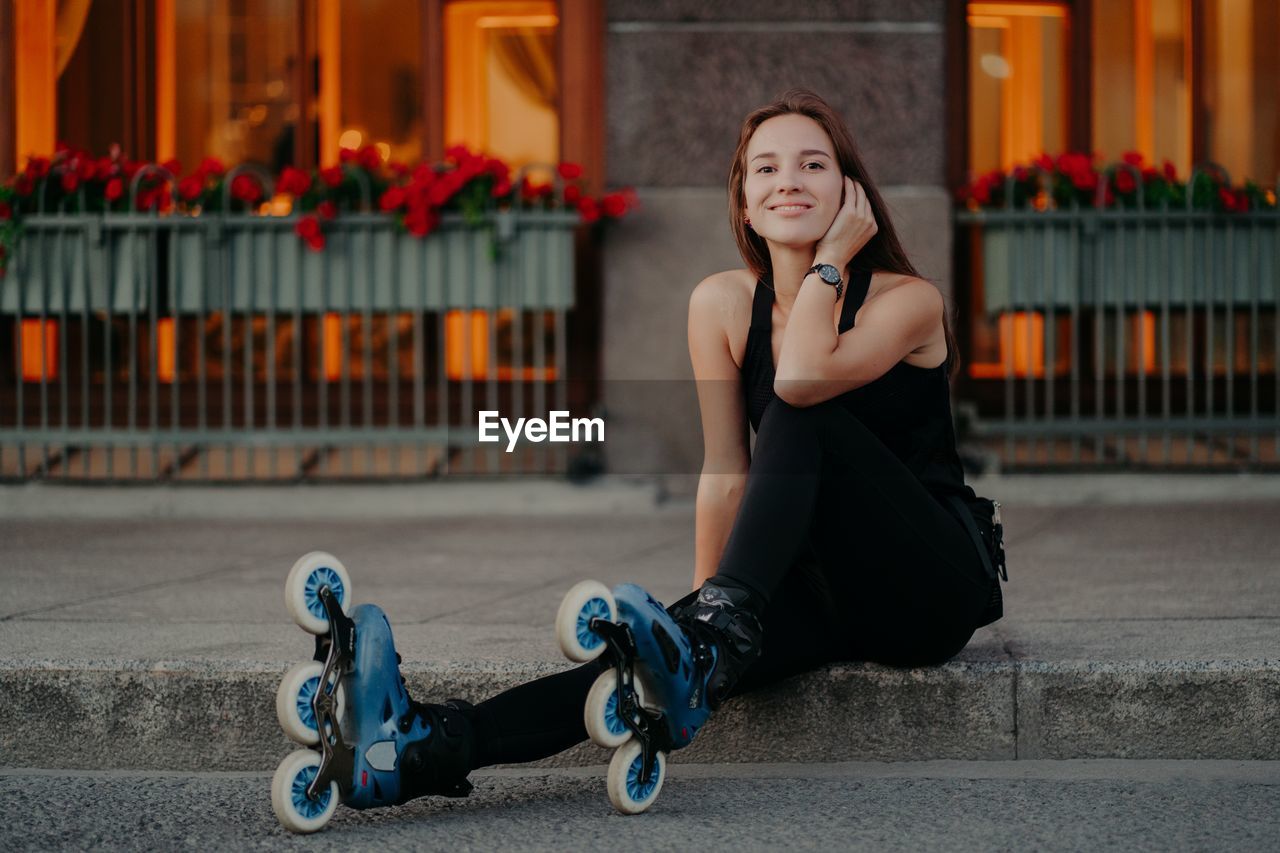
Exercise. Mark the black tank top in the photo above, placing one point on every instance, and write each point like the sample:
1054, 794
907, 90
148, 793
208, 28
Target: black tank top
908, 408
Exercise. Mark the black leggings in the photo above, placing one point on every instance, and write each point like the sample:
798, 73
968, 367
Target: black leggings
853, 558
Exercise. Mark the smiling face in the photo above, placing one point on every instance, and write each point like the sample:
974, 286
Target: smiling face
792, 182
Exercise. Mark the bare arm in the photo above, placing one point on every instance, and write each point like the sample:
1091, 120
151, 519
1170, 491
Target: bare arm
726, 455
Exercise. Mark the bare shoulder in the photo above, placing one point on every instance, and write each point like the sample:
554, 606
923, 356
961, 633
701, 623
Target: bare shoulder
894, 292
720, 309
723, 290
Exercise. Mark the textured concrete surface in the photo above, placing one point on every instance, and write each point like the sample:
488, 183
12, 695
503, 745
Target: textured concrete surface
945, 806
1140, 629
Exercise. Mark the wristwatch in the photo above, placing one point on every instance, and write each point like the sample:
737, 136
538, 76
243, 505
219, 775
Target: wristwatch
830, 275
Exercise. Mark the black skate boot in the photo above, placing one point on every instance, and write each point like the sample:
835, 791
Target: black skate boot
438, 763
726, 633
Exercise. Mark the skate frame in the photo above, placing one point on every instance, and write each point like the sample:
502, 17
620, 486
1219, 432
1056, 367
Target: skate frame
649, 729
336, 649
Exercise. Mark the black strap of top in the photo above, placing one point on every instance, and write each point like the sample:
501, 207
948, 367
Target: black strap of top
859, 284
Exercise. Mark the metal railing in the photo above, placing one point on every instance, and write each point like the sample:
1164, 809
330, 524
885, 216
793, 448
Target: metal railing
218, 347
1139, 338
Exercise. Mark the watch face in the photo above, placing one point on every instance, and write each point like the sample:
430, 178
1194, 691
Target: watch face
829, 274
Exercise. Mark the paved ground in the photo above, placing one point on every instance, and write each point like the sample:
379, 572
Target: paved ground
1023, 805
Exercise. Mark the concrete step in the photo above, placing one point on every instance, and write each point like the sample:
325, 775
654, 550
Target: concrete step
201, 716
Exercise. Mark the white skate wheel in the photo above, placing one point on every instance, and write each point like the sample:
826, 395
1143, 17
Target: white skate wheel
302, 590
602, 714
586, 600
293, 701
295, 810
626, 792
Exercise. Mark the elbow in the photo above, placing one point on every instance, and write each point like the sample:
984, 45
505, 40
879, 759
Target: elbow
795, 392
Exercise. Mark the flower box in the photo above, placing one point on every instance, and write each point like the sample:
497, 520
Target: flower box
1130, 263
258, 265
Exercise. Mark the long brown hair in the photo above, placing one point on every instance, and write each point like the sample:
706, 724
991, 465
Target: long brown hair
883, 252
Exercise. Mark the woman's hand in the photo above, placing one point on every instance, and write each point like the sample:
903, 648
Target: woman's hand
853, 228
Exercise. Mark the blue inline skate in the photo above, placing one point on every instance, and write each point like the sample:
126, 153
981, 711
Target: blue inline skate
665, 676
379, 747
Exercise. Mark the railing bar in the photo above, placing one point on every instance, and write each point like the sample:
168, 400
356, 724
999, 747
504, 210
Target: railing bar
1141, 284
519, 314
367, 321
493, 462
1193, 281
394, 314
175, 318
1076, 287
419, 352
269, 354
1166, 384
322, 369
228, 317
153, 295
299, 330
208, 265
1122, 444
442, 370
248, 269
345, 347
63, 374
1254, 277
1229, 365
85, 378
1048, 295
135, 270
540, 351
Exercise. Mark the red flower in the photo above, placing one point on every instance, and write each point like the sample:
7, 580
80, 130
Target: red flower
1170, 173
588, 210
115, 189
1149, 174
346, 155
370, 158
294, 181
190, 187
457, 153
1124, 181
332, 176
425, 174
570, 171
37, 167
153, 198
308, 228
24, 185
1133, 158
400, 170
246, 188
497, 168
326, 209
70, 180
530, 191
421, 221
211, 166
1231, 201
6, 212
572, 193
501, 188
1021, 173
174, 165
392, 199
614, 205
1045, 162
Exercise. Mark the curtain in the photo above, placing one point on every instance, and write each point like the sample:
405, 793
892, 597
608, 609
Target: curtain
70, 26
528, 56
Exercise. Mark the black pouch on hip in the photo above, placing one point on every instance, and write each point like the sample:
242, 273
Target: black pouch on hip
981, 516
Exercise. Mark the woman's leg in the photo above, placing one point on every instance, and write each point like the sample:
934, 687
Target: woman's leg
533, 720
903, 572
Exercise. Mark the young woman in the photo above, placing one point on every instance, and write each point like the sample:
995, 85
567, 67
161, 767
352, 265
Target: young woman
844, 536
